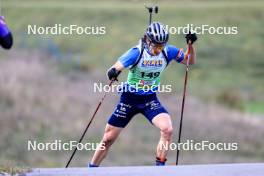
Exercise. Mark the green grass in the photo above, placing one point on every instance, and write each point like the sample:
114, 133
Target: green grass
255, 107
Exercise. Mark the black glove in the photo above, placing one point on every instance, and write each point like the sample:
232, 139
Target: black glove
191, 37
112, 74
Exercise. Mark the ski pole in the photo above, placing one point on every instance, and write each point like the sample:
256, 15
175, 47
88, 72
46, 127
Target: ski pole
88, 125
183, 100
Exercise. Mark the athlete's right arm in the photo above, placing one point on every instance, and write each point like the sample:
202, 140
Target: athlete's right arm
118, 66
125, 61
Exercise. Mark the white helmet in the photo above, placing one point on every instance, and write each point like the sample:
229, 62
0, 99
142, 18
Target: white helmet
157, 33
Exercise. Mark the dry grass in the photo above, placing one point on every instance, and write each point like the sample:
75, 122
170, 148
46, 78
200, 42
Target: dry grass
10, 169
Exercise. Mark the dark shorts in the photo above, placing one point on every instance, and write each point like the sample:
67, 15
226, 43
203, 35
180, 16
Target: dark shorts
131, 104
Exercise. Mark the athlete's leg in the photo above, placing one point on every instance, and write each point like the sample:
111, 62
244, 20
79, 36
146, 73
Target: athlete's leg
163, 122
119, 119
158, 115
110, 135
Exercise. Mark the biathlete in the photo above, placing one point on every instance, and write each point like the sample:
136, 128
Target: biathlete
6, 39
145, 62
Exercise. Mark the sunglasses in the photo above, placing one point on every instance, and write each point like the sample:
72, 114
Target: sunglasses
157, 46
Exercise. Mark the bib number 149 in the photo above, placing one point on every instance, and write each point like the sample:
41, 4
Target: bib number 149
150, 75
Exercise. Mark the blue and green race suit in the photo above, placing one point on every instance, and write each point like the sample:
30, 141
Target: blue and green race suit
144, 77
144, 70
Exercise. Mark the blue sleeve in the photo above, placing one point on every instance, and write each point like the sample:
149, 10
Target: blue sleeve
129, 57
174, 53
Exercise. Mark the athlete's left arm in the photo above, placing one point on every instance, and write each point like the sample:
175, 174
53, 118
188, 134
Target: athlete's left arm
192, 56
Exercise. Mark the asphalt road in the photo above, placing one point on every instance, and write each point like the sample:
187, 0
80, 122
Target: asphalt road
253, 169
